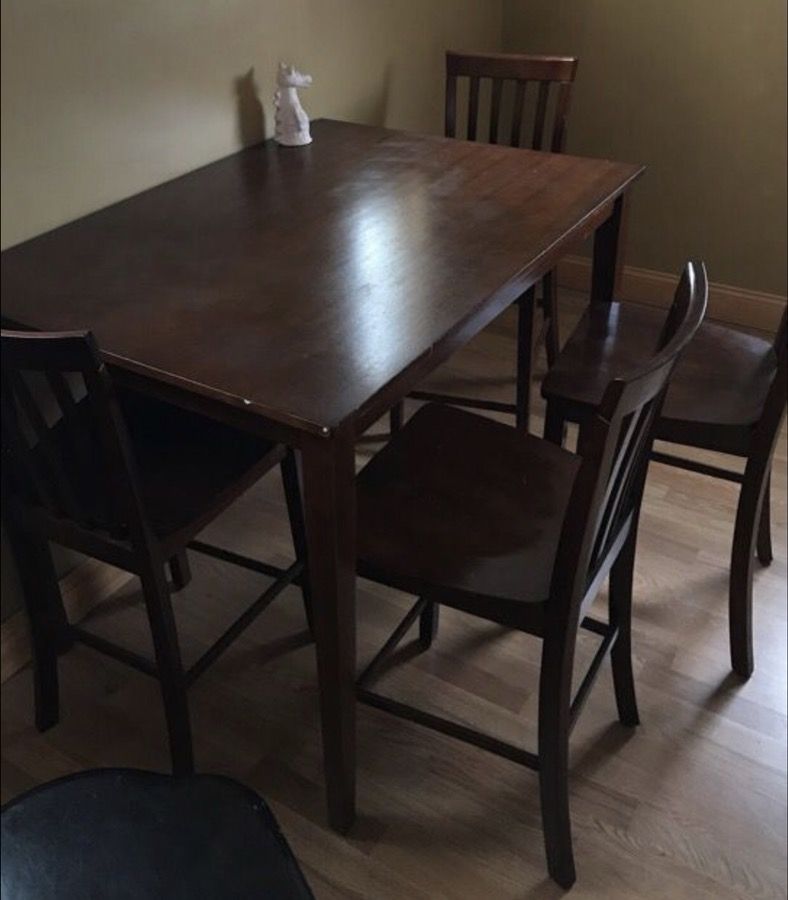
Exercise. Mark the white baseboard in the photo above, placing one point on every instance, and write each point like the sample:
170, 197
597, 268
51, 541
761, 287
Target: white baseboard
82, 589
732, 305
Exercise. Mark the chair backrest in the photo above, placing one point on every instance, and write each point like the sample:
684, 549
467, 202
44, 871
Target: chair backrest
608, 490
781, 354
767, 429
541, 71
65, 447
782, 333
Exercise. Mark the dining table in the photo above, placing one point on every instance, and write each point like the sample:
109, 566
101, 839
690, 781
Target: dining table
300, 293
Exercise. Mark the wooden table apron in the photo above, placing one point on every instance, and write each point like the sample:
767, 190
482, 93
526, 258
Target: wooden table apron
45, 288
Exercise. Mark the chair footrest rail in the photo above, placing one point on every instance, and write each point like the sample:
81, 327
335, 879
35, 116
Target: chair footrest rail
608, 632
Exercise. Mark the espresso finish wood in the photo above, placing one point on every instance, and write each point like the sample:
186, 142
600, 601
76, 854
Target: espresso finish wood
332, 279
478, 516
542, 75
324, 274
728, 395
329, 491
130, 481
607, 259
690, 805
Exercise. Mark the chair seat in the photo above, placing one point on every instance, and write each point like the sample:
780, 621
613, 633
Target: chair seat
118, 833
716, 393
465, 509
190, 467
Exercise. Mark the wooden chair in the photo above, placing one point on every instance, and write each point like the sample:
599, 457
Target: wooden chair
541, 75
122, 833
485, 518
127, 480
728, 395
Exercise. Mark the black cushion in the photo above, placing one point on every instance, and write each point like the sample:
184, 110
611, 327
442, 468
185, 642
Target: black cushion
120, 833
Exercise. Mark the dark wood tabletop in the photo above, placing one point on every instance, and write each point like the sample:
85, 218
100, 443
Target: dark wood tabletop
301, 282
301, 293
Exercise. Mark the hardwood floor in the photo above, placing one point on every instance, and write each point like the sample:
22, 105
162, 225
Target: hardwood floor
692, 804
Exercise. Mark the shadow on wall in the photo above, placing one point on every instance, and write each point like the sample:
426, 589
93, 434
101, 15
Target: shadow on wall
373, 108
251, 116
370, 110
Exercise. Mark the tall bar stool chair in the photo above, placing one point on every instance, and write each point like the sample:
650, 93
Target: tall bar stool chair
488, 519
130, 481
551, 79
728, 395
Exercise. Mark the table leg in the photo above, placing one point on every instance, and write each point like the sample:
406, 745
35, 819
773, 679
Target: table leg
330, 516
607, 255
525, 353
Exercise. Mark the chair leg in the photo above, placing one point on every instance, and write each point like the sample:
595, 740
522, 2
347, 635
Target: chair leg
764, 547
428, 624
170, 669
395, 417
620, 596
48, 623
180, 570
554, 427
295, 512
554, 699
525, 332
550, 308
745, 533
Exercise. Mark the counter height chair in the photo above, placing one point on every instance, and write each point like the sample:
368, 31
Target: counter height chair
727, 395
127, 480
549, 79
483, 517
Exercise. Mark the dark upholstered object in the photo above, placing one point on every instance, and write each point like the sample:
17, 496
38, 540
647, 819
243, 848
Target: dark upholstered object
121, 833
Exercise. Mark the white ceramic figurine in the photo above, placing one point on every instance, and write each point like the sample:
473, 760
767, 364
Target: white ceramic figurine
291, 122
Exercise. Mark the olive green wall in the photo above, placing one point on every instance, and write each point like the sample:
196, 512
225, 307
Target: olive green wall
103, 98
696, 90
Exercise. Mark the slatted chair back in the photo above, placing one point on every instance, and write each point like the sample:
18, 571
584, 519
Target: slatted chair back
541, 74
66, 452
606, 497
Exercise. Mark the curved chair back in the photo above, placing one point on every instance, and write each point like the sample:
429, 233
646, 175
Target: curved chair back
607, 493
